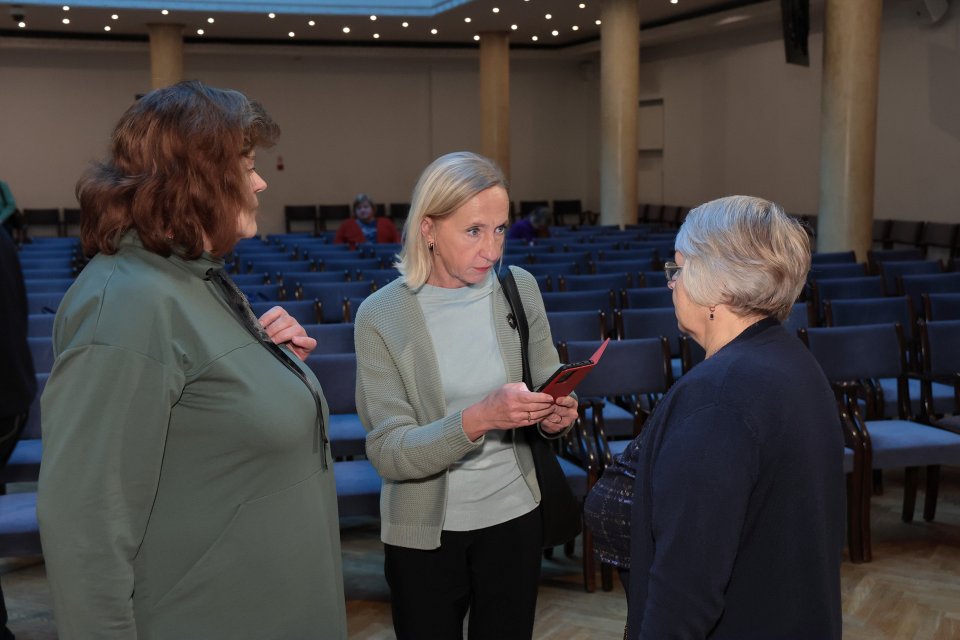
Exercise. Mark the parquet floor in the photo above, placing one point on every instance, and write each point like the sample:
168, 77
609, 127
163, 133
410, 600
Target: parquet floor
910, 591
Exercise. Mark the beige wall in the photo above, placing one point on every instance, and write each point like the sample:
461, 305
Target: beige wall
736, 118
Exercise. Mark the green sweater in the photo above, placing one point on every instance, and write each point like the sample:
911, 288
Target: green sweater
182, 494
400, 402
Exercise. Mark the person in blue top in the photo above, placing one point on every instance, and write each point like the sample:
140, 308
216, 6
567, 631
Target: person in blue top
726, 514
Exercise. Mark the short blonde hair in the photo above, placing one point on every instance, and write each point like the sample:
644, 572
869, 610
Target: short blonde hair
444, 186
745, 253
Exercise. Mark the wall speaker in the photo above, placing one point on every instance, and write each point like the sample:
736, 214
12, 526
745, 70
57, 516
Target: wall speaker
796, 28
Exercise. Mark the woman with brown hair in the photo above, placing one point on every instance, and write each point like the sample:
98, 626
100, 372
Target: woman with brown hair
186, 488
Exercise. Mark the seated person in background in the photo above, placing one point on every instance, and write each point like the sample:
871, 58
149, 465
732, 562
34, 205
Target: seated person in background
531, 227
365, 226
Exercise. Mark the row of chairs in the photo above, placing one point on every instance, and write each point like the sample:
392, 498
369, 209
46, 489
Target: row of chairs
634, 373
667, 215
920, 235
62, 222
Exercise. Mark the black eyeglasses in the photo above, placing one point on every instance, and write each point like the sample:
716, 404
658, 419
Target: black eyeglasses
672, 271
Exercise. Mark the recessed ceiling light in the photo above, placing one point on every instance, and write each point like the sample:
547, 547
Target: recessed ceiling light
466, 19
311, 23
346, 29
210, 20
673, 1
513, 27
114, 17
199, 32
376, 36
496, 9
66, 21
164, 12
271, 15
291, 34
404, 24
66, 7
597, 22
554, 33
22, 24
548, 16
582, 6
575, 28
476, 37
534, 38
373, 18
433, 31
106, 28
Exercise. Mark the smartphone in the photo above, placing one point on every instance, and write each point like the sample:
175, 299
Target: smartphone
565, 379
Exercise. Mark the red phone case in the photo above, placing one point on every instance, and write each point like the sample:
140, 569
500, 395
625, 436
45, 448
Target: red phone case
565, 379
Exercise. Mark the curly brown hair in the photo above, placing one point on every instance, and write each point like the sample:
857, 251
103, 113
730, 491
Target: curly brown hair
174, 173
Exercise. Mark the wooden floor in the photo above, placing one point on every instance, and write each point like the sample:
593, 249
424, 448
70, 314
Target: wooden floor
910, 591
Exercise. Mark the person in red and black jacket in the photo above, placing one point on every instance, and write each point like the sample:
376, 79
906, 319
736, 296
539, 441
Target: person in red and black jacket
365, 227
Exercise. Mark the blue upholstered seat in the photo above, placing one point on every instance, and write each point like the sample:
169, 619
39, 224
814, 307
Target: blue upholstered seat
358, 488
19, 532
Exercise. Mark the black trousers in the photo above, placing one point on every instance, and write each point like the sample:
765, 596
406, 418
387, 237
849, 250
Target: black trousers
10, 429
494, 572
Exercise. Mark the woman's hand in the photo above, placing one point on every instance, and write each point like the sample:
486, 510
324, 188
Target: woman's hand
283, 328
510, 406
564, 413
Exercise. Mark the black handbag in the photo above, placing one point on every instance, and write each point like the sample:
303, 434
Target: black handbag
560, 511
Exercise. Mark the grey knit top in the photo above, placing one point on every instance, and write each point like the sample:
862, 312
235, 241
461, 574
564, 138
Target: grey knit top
400, 400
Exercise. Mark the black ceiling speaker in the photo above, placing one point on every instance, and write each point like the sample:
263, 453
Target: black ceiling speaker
796, 28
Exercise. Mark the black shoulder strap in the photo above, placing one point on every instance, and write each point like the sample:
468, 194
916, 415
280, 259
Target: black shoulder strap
516, 306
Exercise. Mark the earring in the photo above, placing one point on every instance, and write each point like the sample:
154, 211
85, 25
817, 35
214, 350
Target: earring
429, 245
712, 309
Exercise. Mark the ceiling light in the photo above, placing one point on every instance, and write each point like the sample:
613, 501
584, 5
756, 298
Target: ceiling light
210, 20
291, 34
731, 20
554, 33
534, 38
548, 16
311, 23
164, 12
513, 27
271, 15
22, 24
199, 32
575, 28
106, 28
66, 8
114, 17
433, 31
673, 1
346, 29
376, 36
496, 9
404, 24
466, 19
66, 21
373, 18
476, 37
582, 6
596, 22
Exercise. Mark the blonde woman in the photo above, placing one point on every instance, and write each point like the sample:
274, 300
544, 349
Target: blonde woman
439, 390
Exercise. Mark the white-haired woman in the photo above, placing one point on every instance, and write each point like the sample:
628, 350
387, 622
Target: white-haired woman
439, 389
737, 518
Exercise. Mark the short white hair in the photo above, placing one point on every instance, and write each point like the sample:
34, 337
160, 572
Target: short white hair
746, 253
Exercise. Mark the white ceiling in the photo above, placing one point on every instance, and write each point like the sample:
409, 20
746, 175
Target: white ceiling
456, 22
